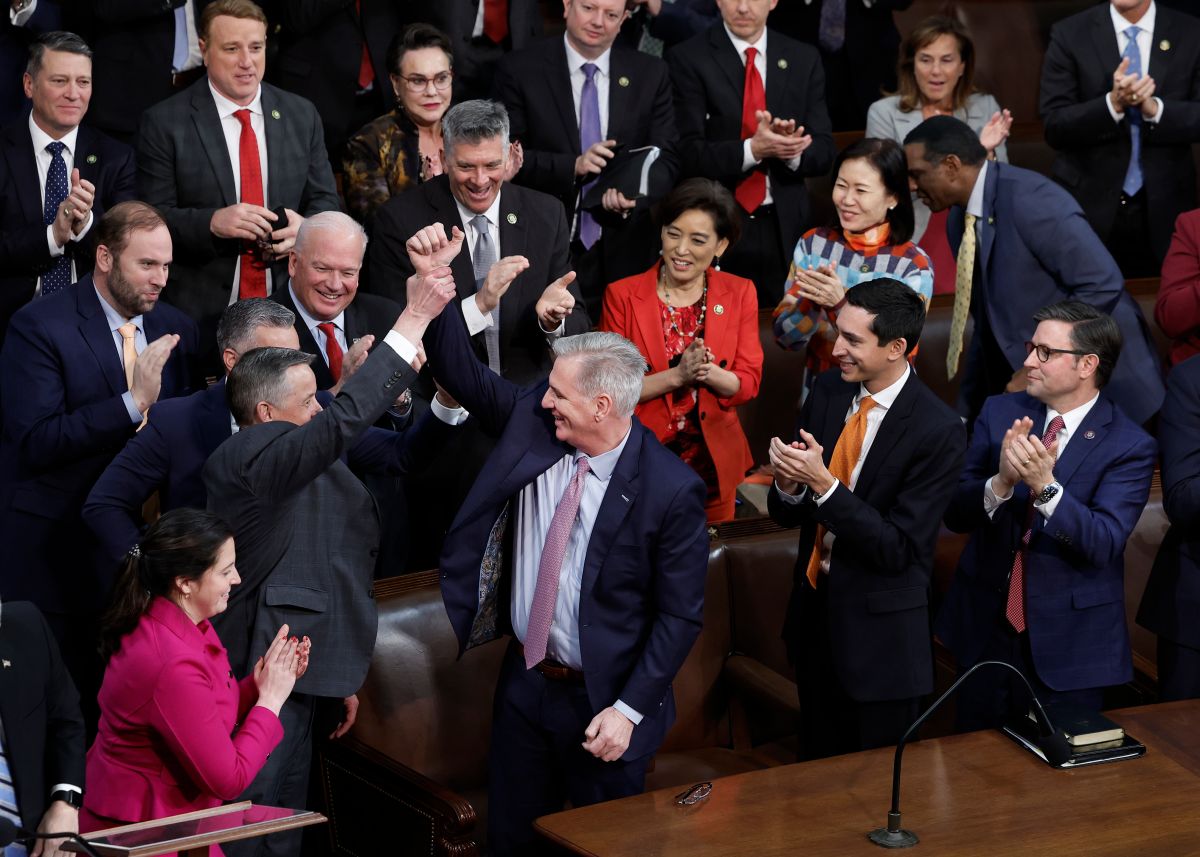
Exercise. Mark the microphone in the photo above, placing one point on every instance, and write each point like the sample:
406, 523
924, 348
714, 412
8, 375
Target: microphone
893, 836
10, 833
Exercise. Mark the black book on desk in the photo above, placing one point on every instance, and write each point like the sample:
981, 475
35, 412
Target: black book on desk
628, 172
1081, 738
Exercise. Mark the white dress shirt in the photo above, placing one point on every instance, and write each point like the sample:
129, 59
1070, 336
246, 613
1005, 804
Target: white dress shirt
1145, 45
42, 159
535, 509
1071, 422
232, 129
318, 335
575, 64
193, 38
115, 321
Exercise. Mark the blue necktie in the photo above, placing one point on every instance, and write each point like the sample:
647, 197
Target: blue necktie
59, 276
180, 55
589, 134
831, 31
1133, 174
8, 803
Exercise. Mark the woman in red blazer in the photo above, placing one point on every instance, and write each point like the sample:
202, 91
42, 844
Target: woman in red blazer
698, 329
169, 703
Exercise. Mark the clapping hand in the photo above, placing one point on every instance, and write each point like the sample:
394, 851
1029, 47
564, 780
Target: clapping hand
996, 130
556, 302
820, 285
431, 248
353, 361
800, 463
691, 363
778, 138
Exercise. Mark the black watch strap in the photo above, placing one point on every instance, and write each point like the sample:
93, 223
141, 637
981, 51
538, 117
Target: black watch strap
68, 796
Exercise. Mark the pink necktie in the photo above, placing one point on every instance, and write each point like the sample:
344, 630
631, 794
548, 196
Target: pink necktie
1015, 610
545, 594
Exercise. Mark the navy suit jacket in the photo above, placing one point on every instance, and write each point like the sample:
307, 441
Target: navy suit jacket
24, 254
1037, 249
1171, 604
886, 533
642, 592
61, 382
1074, 566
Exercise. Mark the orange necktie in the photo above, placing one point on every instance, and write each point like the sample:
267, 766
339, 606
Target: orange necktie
845, 456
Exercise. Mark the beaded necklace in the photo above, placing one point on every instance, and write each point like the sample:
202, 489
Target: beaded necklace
662, 281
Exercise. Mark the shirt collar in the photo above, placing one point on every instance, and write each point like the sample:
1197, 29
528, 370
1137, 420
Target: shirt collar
338, 321
41, 139
605, 463
492, 214
886, 397
115, 319
740, 45
576, 60
1121, 24
1072, 418
975, 203
226, 108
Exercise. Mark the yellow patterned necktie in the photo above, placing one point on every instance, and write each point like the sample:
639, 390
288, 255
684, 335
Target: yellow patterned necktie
962, 296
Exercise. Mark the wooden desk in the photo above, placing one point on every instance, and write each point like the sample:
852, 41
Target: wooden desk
976, 794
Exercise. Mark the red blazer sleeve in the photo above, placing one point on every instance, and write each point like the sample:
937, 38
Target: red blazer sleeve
1177, 308
184, 712
614, 317
747, 359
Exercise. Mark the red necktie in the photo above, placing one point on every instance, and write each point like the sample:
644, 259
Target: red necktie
753, 189
252, 282
366, 72
495, 20
332, 350
1015, 609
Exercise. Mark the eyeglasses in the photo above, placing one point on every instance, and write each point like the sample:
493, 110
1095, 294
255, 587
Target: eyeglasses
417, 83
694, 795
1045, 352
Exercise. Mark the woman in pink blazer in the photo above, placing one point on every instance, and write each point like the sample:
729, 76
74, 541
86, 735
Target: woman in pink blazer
697, 327
169, 704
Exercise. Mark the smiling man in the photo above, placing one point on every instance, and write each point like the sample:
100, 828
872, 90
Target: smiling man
1055, 481
77, 375
56, 177
867, 478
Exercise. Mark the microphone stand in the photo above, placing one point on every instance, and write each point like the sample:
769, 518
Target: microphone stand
893, 836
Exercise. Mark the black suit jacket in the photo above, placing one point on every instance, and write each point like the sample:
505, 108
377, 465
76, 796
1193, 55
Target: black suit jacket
709, 78
531, 225
319, 51
1093, 150
1171, 602
184, 170
24, 254
39, 707
885, 535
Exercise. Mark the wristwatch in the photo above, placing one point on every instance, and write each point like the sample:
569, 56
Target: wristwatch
1047, 494
69, 797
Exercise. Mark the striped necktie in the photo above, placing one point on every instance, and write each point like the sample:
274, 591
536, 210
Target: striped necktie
8, 802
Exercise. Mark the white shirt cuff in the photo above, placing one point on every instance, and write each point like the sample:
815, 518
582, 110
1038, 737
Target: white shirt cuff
748, 160
633, 716
65, 787
793, 164
556, 333
475, 319
1047, 508
450, 416
55, 250
399, 344
991, 500
1157, 116
1112, 111
821, 500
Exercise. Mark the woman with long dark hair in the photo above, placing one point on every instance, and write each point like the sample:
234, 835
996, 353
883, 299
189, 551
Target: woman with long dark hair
177, 731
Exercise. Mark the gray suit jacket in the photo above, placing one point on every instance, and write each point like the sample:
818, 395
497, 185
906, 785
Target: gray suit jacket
185, 171
307, 532
886, 120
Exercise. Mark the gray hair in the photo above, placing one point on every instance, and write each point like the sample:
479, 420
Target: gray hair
242, 318
609, 364
329, 221
473, 122
260, 376
58, 40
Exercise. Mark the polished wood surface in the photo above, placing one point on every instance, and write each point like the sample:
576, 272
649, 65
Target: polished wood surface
976, 794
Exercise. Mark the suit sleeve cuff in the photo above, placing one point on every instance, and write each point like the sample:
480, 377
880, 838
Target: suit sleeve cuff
832, 488
1157, 116
793, 164
135, 415
87, 226
450, 416
404, 348
792, 499
476, 320
1112, 111
634, 717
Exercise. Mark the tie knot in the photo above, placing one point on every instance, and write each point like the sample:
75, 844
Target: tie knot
590, 69
242, 116
479, 223
582, 466
971, 218
128, 330
327, 328
55, 148
1056, 425
1131, 33
751, 53
865, 405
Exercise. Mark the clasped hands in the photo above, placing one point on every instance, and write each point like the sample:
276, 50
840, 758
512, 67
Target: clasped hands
1133, 90
820, 285
73, 212
800, 463
778, 138
245, 221
1024, 459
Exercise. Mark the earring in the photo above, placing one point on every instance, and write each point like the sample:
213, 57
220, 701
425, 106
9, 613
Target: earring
716, 263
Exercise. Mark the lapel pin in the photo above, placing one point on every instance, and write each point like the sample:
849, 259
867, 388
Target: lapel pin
512, 218
991, 220
719, 310
7, 663
275, 114
1164, 45
623, 81
782, 63
623, 497
1089, 434
91, 159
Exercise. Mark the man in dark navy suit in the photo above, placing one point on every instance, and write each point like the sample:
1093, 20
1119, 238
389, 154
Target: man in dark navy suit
585, 539
57, 178
78, 372
1055, 481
